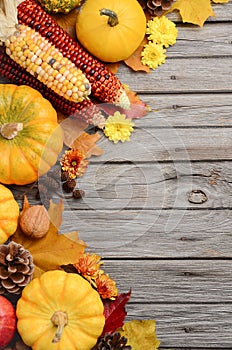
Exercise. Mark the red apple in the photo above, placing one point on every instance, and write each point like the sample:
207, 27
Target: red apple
7, 322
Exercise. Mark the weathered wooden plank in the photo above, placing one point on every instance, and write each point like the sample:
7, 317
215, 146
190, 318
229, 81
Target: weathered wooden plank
212, 40
173, 281
187, 110
177, 75
156, 186
188, 325
153, 186
153, 233
170, 144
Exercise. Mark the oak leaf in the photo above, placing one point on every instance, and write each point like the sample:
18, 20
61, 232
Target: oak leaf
194, 11
53, 250
115, 313
140, 334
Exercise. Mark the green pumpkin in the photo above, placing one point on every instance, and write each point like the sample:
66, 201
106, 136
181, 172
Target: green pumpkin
60, 6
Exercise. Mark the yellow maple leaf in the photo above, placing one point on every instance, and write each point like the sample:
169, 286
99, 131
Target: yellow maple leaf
194, 11
140, 334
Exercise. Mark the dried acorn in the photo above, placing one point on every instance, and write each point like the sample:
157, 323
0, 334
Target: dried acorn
34, 221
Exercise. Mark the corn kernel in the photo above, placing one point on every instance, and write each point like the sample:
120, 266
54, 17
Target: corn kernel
62, 70
64, 89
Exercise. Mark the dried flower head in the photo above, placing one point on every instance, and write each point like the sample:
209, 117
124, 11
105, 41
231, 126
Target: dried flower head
88, 266
106, 287
162, 31
74, 163
153, 55
118, 127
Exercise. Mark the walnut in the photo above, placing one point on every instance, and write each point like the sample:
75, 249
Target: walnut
34, 221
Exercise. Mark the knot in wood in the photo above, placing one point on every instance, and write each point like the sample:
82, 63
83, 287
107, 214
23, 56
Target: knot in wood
197, 197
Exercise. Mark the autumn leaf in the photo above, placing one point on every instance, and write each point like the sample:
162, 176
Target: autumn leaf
220, 1
86, 143
72, 128
193, 11
55, 213
140, 334
115, 313
51, 251
134, 61
138, 108
113, 67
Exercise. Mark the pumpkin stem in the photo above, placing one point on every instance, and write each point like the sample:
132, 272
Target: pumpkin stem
10, 130
59, 319
113, 18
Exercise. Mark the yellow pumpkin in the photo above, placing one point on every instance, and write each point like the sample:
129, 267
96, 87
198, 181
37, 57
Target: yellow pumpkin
30, 137
60, 311
9, 213
111, 29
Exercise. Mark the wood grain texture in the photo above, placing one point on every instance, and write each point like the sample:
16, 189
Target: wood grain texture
153, 234
193, 325
187, 110
195, 75
173, 281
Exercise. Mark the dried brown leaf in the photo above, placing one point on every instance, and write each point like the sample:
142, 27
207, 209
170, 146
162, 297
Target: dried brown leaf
86, 143
72, 128
134, 61
55, 212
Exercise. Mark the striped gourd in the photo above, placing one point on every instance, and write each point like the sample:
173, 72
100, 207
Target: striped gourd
105, 86
40, 58
11, 70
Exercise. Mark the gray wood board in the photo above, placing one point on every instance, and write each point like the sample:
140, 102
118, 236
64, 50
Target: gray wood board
188, 325
173, 281
153, 234
187, 110
183, 74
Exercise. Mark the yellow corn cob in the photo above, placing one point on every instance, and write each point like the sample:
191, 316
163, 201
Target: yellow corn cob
45, 62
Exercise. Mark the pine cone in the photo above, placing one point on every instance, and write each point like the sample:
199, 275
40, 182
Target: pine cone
113, 342
16, 268
156, 7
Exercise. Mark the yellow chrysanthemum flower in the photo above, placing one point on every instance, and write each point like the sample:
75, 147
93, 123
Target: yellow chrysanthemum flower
153, 55
162, 31
118, 127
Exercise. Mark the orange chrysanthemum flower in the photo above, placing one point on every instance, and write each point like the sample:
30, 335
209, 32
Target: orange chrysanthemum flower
88, 266
106, 287
74, 162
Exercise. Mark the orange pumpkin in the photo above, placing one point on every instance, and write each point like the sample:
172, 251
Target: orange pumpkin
111, 29
9, 213
60, 311
30, 137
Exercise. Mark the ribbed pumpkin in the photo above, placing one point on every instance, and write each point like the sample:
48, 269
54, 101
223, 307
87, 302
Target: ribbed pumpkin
60, 311
30, 137
111, 29
9, 213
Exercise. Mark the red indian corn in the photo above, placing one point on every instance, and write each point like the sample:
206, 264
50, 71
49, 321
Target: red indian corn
105, 86
11, 70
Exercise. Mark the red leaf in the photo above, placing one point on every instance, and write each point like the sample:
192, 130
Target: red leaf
115, 313
138, 108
